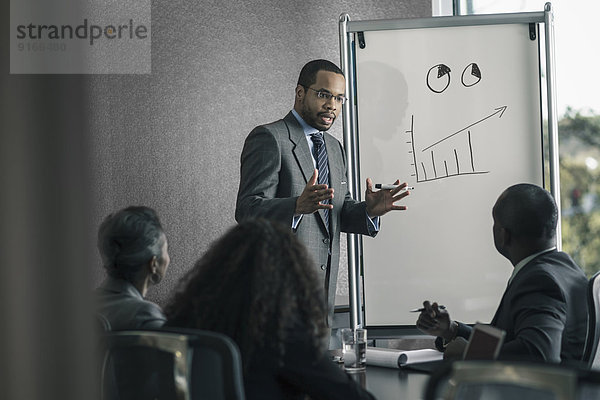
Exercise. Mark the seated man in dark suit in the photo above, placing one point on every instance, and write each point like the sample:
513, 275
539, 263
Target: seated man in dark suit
543, 309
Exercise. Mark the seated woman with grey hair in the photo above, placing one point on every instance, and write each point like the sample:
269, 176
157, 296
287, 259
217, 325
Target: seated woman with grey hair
133, 247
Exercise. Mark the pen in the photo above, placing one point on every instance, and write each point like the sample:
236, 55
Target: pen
423, 309
390, 187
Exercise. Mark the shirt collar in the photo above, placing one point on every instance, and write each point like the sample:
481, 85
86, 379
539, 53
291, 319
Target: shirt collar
525, 261
308, 130
117, 285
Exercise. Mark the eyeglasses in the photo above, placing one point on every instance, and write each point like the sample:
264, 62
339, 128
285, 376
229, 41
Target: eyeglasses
327, 96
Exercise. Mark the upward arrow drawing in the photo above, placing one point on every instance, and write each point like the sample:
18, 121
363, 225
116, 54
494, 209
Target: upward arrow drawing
499, 110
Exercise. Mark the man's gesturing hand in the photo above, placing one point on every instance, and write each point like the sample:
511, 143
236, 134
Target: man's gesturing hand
382, 201
312, 196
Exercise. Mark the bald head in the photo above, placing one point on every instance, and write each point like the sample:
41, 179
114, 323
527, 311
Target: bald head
529, 214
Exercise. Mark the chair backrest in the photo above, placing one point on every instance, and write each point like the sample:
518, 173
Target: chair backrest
588, 384
502, 380
178, 364
591, 353
102, 323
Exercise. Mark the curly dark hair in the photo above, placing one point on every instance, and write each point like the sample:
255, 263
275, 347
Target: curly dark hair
255, 285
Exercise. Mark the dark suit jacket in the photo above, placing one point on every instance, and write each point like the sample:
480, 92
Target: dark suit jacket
276, 164
125, 308
543, 311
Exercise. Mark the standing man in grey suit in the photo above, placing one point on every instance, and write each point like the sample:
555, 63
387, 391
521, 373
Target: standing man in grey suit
294, 172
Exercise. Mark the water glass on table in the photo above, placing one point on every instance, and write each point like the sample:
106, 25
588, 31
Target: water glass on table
354, 349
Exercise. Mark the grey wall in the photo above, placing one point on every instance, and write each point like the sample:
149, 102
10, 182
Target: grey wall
172, 140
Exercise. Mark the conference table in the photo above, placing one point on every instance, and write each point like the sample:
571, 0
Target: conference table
407, 384
391, 384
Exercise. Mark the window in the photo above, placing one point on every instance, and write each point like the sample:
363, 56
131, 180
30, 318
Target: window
578, 107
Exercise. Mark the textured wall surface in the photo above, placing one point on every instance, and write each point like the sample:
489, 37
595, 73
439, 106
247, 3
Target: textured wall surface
172, 140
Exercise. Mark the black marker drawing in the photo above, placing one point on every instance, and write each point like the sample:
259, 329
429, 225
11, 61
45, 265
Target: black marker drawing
497, 110
457, 164
452, 166
471, 75
438, 78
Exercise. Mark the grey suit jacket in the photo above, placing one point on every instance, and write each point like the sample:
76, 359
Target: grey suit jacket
125, 308
276, 164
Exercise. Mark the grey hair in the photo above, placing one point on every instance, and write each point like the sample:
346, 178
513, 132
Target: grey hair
128, 239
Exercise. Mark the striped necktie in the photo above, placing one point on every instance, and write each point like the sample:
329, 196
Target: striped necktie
322, 166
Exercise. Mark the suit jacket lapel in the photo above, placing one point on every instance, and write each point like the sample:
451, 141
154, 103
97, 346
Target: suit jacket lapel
516, 279
497, 314
335, 161
336, 175
302, 153
499, 309
300, 149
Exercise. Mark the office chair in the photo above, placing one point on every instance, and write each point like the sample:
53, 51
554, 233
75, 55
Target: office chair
173, 364
491, 380
102, 324
591, 353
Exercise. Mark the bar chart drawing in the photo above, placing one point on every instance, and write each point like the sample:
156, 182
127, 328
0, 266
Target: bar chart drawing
456, 158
